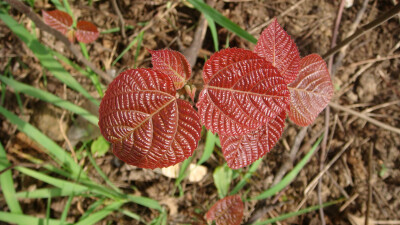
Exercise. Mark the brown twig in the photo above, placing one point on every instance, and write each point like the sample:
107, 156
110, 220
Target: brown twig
369, 199
292, 156
120, 17
327, 112
20, 6
364, 29
365, 117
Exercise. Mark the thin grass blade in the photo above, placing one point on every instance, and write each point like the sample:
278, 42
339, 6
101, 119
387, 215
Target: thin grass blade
222, 20
25, 219
290, 176
44, 55
246, 177
48, 97
7, 184
99, 215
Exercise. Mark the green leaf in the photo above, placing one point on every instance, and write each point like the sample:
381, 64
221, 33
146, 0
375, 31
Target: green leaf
211, 139
222, 179
290, 176
100, 146
222, 20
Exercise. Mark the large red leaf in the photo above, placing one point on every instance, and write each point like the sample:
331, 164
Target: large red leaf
147, 126
227, 211
276, 46
86, 32
242, 92
311, 92
243, 150
58, 20
172, 63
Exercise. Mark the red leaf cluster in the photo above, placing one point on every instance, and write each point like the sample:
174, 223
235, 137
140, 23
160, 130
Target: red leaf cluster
247, 94
246, 97
228, 210
85, 32
146, 123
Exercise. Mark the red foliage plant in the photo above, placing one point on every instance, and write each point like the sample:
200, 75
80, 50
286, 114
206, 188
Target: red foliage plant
246, 97
85, 32
228, 210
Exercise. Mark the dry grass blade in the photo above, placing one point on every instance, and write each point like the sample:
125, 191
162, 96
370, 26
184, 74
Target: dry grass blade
365, 117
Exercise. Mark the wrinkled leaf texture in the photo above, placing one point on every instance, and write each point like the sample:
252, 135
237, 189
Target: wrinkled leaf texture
172, 63
243, 150
58, 20
227, 211
276, 46
86, 32
242, 92
147, 126
311, 92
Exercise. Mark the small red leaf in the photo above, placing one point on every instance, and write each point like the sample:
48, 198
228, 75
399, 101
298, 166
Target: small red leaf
242, 92
276, 46
172, 63
311, 92
243, 150
58, 20
227, 211
86, 32
147, 126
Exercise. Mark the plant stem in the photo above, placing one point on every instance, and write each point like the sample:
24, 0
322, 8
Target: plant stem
364, 29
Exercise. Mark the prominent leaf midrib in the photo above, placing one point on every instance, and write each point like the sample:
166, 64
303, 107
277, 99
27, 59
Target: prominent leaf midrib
233, 64
182, 79
245, 92
307, 91
51, 17
145, 120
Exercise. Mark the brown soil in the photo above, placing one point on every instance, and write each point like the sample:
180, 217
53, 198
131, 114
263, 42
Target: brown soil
372, 89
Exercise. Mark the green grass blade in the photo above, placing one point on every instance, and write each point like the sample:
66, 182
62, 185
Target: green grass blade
99, 215
214, 33
211, 139
138, 47
49, 192
44, 55
131, 214
134, 41
298, 213
48, 210
62, 184
290, 176
48, 97
92, 207
25, 219
101, 173
54, 150
144, 201
116, 29
246, 177
67, 206
7, 184
58, 5
222, 20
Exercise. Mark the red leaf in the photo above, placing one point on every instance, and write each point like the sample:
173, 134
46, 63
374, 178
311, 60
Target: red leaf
58, 20
172, 63
242, 92
243, 150
147, 126
311, 91
86, 32
227, 211
276, 46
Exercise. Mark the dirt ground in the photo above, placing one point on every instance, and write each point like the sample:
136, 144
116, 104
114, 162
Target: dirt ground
366, 78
